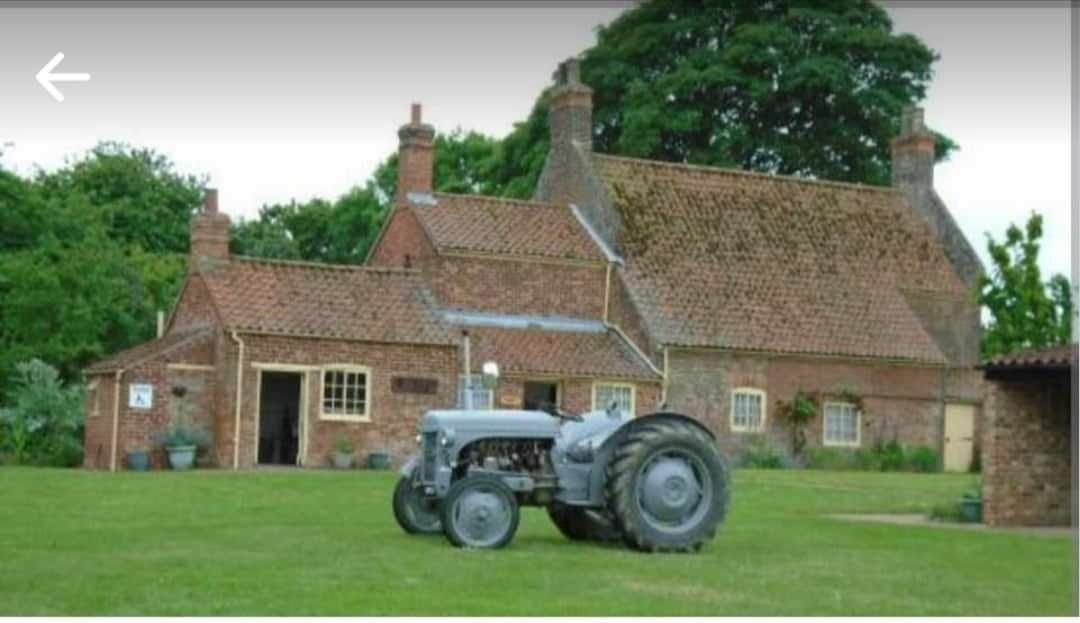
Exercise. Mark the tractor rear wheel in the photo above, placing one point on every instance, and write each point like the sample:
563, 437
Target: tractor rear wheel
667, 486
411, 512
582, 524
480, 512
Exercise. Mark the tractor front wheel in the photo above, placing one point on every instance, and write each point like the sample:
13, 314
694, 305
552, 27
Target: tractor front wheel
667, 487
412, 513
480, 512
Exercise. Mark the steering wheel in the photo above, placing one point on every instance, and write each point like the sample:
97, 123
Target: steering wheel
554, 411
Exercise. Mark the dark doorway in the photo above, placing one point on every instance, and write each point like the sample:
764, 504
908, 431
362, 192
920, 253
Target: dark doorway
538, 394
279, 418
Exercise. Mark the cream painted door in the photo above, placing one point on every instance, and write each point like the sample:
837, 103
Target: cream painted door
959, 437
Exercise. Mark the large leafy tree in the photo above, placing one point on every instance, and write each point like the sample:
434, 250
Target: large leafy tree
1025, 311
144, 200
787, 87
82, 271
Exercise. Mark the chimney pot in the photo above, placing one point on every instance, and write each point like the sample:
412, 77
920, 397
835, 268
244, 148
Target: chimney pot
416, 114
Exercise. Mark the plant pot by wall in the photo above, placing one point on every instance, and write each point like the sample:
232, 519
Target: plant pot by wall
341, 460
971, 510
181, 457
138, 460
378, 460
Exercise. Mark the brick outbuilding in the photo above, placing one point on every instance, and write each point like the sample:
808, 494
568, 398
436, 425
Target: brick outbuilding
1029, 444
714, 292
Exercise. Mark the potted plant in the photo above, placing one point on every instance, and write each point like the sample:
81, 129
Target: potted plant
379, 459
181, 441
138, 460
342, 456
971, 505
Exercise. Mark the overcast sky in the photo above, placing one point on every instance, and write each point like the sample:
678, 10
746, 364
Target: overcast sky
275, 104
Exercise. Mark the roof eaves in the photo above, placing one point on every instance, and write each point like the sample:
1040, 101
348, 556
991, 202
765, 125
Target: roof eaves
564, 324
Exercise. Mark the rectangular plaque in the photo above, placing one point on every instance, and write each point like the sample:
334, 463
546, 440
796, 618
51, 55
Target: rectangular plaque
413, 385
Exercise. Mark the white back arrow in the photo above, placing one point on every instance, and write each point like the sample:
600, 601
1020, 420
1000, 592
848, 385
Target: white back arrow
47, 78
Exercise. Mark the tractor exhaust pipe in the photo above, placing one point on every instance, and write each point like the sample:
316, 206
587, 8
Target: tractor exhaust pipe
468, 369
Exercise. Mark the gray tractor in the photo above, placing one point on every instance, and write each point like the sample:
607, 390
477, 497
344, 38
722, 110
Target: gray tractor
656, 482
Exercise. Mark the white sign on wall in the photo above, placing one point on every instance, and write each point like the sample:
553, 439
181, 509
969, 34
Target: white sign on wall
140, 396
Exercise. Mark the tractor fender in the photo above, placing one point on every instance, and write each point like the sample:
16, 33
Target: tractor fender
604, 453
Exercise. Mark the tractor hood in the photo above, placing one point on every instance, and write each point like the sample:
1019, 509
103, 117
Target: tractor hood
511, 423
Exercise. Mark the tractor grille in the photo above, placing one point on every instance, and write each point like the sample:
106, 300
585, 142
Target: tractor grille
430, 456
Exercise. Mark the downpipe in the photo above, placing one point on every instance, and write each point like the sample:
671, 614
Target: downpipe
239, 395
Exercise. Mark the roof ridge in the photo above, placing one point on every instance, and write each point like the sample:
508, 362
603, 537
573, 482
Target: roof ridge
498, 199
325, 266
755, 174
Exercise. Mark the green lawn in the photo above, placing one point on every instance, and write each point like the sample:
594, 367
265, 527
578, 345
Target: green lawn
325, 543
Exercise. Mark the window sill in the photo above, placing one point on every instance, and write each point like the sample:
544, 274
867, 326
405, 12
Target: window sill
842, 444
748, 431
359, 419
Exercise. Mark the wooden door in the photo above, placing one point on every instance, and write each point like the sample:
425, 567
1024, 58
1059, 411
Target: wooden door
959, 437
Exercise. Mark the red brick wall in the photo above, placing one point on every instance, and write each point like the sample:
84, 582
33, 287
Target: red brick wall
623, 313
575, 395
394, 416
1026, 452
138, 429
403, 237
519, 287
899, 402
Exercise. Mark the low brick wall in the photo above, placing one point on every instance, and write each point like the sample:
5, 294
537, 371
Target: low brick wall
1026, 452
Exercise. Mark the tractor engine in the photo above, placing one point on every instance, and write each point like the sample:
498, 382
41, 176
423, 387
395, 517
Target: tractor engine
527, 456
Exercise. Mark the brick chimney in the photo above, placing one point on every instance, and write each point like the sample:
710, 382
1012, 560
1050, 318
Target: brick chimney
209, 233
570, 109
416, 156
913, 153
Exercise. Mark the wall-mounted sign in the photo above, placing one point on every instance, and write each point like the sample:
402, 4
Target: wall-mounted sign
140, 396
413, 385
510, 400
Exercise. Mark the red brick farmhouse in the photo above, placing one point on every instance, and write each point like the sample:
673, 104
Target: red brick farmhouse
718, 292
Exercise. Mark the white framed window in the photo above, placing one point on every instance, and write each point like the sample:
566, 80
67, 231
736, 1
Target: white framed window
622, 394
841, 424
346, 394
93, 397
747, 410
482, 398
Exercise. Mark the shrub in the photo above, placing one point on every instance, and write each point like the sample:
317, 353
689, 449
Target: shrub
342, 445
43, 424
923, 459
759, 454
830, 458
180, 434
891, 454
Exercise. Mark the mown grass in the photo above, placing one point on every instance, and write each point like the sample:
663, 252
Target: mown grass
325, 543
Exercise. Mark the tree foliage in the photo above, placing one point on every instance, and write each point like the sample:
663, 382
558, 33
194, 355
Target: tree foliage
44, 422
343, 230
82, 269
1025, 311
788, 87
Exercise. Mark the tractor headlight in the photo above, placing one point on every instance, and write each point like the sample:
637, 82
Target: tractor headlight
447, 437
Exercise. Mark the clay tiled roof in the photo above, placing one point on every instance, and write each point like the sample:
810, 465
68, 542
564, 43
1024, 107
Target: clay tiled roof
563, 353
1052, 357
730, 259
322, 300
505, 226
151, 350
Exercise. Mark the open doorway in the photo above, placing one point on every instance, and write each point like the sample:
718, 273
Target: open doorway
538, 394
279, 418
